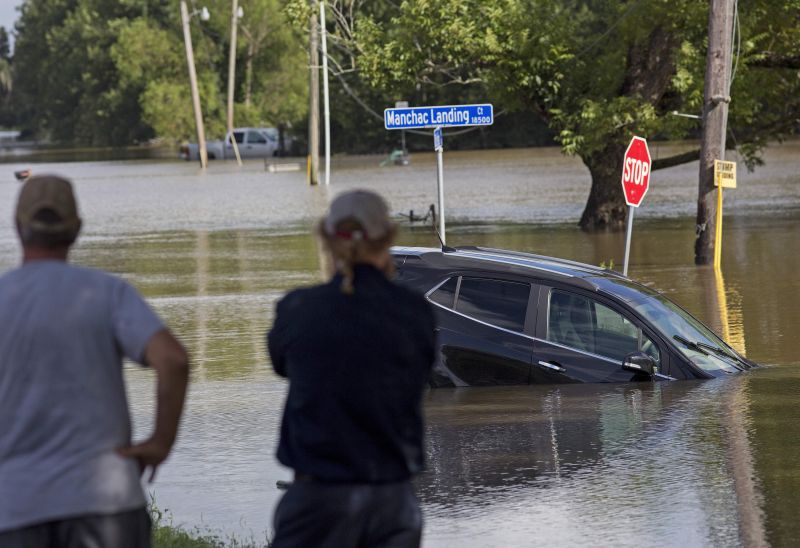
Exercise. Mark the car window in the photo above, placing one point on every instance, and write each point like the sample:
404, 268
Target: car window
651, 349
255, 137
238, 136
499, 303
585, 324
446, 293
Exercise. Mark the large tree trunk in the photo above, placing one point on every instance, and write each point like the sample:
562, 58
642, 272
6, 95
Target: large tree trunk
650, 67
605, 209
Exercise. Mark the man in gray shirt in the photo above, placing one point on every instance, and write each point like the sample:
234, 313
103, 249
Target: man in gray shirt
69, 475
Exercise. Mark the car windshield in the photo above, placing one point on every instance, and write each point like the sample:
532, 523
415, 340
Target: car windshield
694, 340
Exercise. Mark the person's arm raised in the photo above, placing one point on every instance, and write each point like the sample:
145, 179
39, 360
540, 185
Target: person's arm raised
169, 359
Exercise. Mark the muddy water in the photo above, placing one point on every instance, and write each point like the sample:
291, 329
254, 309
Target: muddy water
684, 464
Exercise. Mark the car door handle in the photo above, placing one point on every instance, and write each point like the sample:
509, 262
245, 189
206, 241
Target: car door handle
553, 366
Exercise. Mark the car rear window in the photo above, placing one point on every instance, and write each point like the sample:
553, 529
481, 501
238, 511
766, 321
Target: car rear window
496, 302
446, 293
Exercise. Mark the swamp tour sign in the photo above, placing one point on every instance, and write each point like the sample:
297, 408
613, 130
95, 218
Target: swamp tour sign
431, 117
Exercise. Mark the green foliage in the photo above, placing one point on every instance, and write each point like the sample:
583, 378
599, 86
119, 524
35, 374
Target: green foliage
5, 48
596, 71
102, 72
167, 535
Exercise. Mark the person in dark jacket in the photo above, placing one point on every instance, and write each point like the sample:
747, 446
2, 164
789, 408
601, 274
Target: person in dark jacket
357, 352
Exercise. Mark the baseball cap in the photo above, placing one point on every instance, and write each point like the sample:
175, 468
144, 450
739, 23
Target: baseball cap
51, 192
366, 208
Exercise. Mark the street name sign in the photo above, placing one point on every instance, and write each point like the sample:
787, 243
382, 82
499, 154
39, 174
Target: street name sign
724, 174
636, 172
431, 117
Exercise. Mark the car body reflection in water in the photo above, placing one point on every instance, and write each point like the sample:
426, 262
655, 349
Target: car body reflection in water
582, 464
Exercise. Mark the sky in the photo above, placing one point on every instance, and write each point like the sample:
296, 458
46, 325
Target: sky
9, 14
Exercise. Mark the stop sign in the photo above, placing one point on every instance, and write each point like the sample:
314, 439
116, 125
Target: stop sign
636, 172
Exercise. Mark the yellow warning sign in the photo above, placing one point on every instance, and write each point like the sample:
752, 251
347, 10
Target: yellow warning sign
724, 174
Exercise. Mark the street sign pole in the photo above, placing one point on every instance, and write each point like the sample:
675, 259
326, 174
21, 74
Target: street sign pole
438, 146
724, 177
631, 209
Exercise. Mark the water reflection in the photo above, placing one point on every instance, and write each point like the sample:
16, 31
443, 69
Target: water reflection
644, 465
684, 464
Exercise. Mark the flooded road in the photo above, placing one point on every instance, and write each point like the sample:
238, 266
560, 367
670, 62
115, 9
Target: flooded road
713, 463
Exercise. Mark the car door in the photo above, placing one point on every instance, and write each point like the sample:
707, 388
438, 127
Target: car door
583, 338
257, 145
238, 136
482, 331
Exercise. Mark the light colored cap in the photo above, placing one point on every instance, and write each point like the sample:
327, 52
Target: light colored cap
364, 207
48, 192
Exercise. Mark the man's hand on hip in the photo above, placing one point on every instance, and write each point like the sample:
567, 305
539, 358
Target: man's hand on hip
168, 357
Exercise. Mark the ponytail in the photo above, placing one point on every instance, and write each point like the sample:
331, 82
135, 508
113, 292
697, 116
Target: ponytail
346, 253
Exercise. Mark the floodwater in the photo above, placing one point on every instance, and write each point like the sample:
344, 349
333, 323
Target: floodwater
713, 463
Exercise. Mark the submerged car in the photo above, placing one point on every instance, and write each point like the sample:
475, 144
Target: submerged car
505, 317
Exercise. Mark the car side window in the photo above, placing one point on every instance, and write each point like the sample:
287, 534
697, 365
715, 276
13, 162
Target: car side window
496, 302
585, 324
651, 349
238, 136
445, 294
255, 137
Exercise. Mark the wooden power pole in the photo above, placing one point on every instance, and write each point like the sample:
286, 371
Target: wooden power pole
232, 76
313, 92
716, 97
198, 113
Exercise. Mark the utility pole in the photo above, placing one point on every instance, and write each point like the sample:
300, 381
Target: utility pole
198, 113
232, 76
716, 97
313, 92
325, 94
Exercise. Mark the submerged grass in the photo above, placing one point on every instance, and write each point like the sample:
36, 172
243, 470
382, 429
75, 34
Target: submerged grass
168, 535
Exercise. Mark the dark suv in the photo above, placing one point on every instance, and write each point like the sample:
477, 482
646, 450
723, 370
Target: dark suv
516, 318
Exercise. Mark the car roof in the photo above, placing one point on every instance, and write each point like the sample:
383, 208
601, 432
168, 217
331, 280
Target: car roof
525, 264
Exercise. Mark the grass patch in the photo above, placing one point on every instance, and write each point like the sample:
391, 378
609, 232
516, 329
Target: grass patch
168, 535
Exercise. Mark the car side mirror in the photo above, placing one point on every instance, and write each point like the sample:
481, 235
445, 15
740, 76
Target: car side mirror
639, 362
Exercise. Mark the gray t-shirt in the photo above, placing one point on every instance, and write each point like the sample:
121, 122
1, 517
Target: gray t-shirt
63, 333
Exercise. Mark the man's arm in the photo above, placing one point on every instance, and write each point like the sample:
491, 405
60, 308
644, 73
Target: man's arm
169, 359
276, 340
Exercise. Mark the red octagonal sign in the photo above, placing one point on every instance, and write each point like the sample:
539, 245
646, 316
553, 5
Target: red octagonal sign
636, 172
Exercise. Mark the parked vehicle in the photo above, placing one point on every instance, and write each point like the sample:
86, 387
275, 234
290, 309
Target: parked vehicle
253, 142
516, 318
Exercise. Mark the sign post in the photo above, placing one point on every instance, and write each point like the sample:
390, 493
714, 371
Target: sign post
724, 177
402, 104
438, 117
438, 146
635, 182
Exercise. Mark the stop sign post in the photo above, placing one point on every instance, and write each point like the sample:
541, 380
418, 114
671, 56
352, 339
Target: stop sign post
635, 182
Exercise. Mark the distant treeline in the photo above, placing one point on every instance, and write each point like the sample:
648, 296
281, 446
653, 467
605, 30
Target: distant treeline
112, 73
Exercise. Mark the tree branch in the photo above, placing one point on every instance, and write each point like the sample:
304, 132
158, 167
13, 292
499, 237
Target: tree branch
676, 160
776, 60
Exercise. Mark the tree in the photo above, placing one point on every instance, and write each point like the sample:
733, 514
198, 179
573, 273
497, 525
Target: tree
5, 47
596, 71
112, 72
